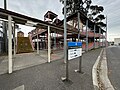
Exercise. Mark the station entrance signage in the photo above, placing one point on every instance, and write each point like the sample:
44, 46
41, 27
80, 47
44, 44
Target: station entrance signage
74, 53
74, 50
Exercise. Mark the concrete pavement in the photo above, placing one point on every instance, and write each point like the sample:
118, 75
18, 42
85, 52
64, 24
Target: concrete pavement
47, 76
25, 60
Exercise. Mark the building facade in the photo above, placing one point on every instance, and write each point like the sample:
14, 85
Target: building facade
117, 41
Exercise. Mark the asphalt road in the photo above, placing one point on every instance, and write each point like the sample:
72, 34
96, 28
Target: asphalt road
113, 59
47, 76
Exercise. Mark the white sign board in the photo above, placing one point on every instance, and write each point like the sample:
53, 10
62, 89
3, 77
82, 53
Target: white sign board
74, 53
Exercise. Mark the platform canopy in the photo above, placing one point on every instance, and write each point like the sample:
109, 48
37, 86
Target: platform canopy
83, 19
26, 20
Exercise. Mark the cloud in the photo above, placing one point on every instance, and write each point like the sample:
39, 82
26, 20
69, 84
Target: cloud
112, 10
37, 9
1, 3
33, 8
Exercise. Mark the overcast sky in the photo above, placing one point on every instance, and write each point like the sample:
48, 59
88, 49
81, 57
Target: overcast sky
37, 9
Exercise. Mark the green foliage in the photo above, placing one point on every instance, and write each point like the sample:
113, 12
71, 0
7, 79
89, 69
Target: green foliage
74, 6
101, 17
96, 9
101, 24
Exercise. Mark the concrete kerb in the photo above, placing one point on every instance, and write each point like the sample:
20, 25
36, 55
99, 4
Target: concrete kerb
94, 72
103, 73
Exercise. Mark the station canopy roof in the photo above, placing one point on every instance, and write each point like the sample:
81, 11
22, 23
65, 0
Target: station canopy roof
83, 18
26, 20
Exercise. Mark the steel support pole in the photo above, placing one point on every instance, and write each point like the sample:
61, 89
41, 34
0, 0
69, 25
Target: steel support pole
86, 35
10, 44
65, 42
5, 30
80, 59
5, 4
14, 39
66, 78
106, 32
65, 34
78, 26
99, 36
55, 39
49, 45
37, 43
102, 40
94, 35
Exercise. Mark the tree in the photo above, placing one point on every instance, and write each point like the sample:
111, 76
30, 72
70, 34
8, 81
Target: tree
95, 9
74, 6
100, 17
96, 15
88, 3
101, 24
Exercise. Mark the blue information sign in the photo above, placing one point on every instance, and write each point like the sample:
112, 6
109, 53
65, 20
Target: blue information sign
74, 44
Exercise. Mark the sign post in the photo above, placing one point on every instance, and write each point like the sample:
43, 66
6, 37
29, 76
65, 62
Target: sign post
74, 50
80, 66
65, 43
